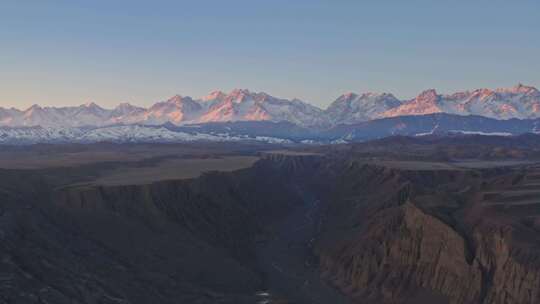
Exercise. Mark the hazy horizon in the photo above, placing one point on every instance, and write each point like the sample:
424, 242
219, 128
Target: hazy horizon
323, 106
59, 53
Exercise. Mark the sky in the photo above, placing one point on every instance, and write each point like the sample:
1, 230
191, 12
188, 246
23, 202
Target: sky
58, 53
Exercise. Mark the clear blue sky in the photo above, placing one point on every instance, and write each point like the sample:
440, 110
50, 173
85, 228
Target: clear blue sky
71, 52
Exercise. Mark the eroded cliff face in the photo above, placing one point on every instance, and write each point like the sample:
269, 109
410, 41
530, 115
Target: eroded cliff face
430, 241
400, 252
512, 270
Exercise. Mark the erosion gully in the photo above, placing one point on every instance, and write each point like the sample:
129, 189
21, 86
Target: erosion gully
287, 258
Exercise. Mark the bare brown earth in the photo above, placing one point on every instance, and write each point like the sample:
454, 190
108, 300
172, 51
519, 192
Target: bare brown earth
392, 221
173, 169
53, 156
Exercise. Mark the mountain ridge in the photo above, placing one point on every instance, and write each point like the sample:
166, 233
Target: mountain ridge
520, 101
437, 124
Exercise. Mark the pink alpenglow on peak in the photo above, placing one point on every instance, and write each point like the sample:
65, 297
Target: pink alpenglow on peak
519, 89
520, 101
214, 95
351, 108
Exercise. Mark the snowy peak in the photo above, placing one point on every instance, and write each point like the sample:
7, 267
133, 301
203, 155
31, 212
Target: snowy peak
176, 99
34, 112
175, 102
239, 95
369, 97
346, 98
244, 105
176, 109
126, 113
245, 95
428, 102
429, 96
126, 107
214, 95
519, 89
352, 108
93, 109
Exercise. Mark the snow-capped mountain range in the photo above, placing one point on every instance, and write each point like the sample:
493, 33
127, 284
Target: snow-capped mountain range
436, 124
238, 105
520, 101
121, 134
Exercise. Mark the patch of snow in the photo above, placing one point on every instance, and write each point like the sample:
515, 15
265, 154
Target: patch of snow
428, 133
481, 133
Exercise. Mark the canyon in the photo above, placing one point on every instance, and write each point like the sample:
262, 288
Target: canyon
357, 223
